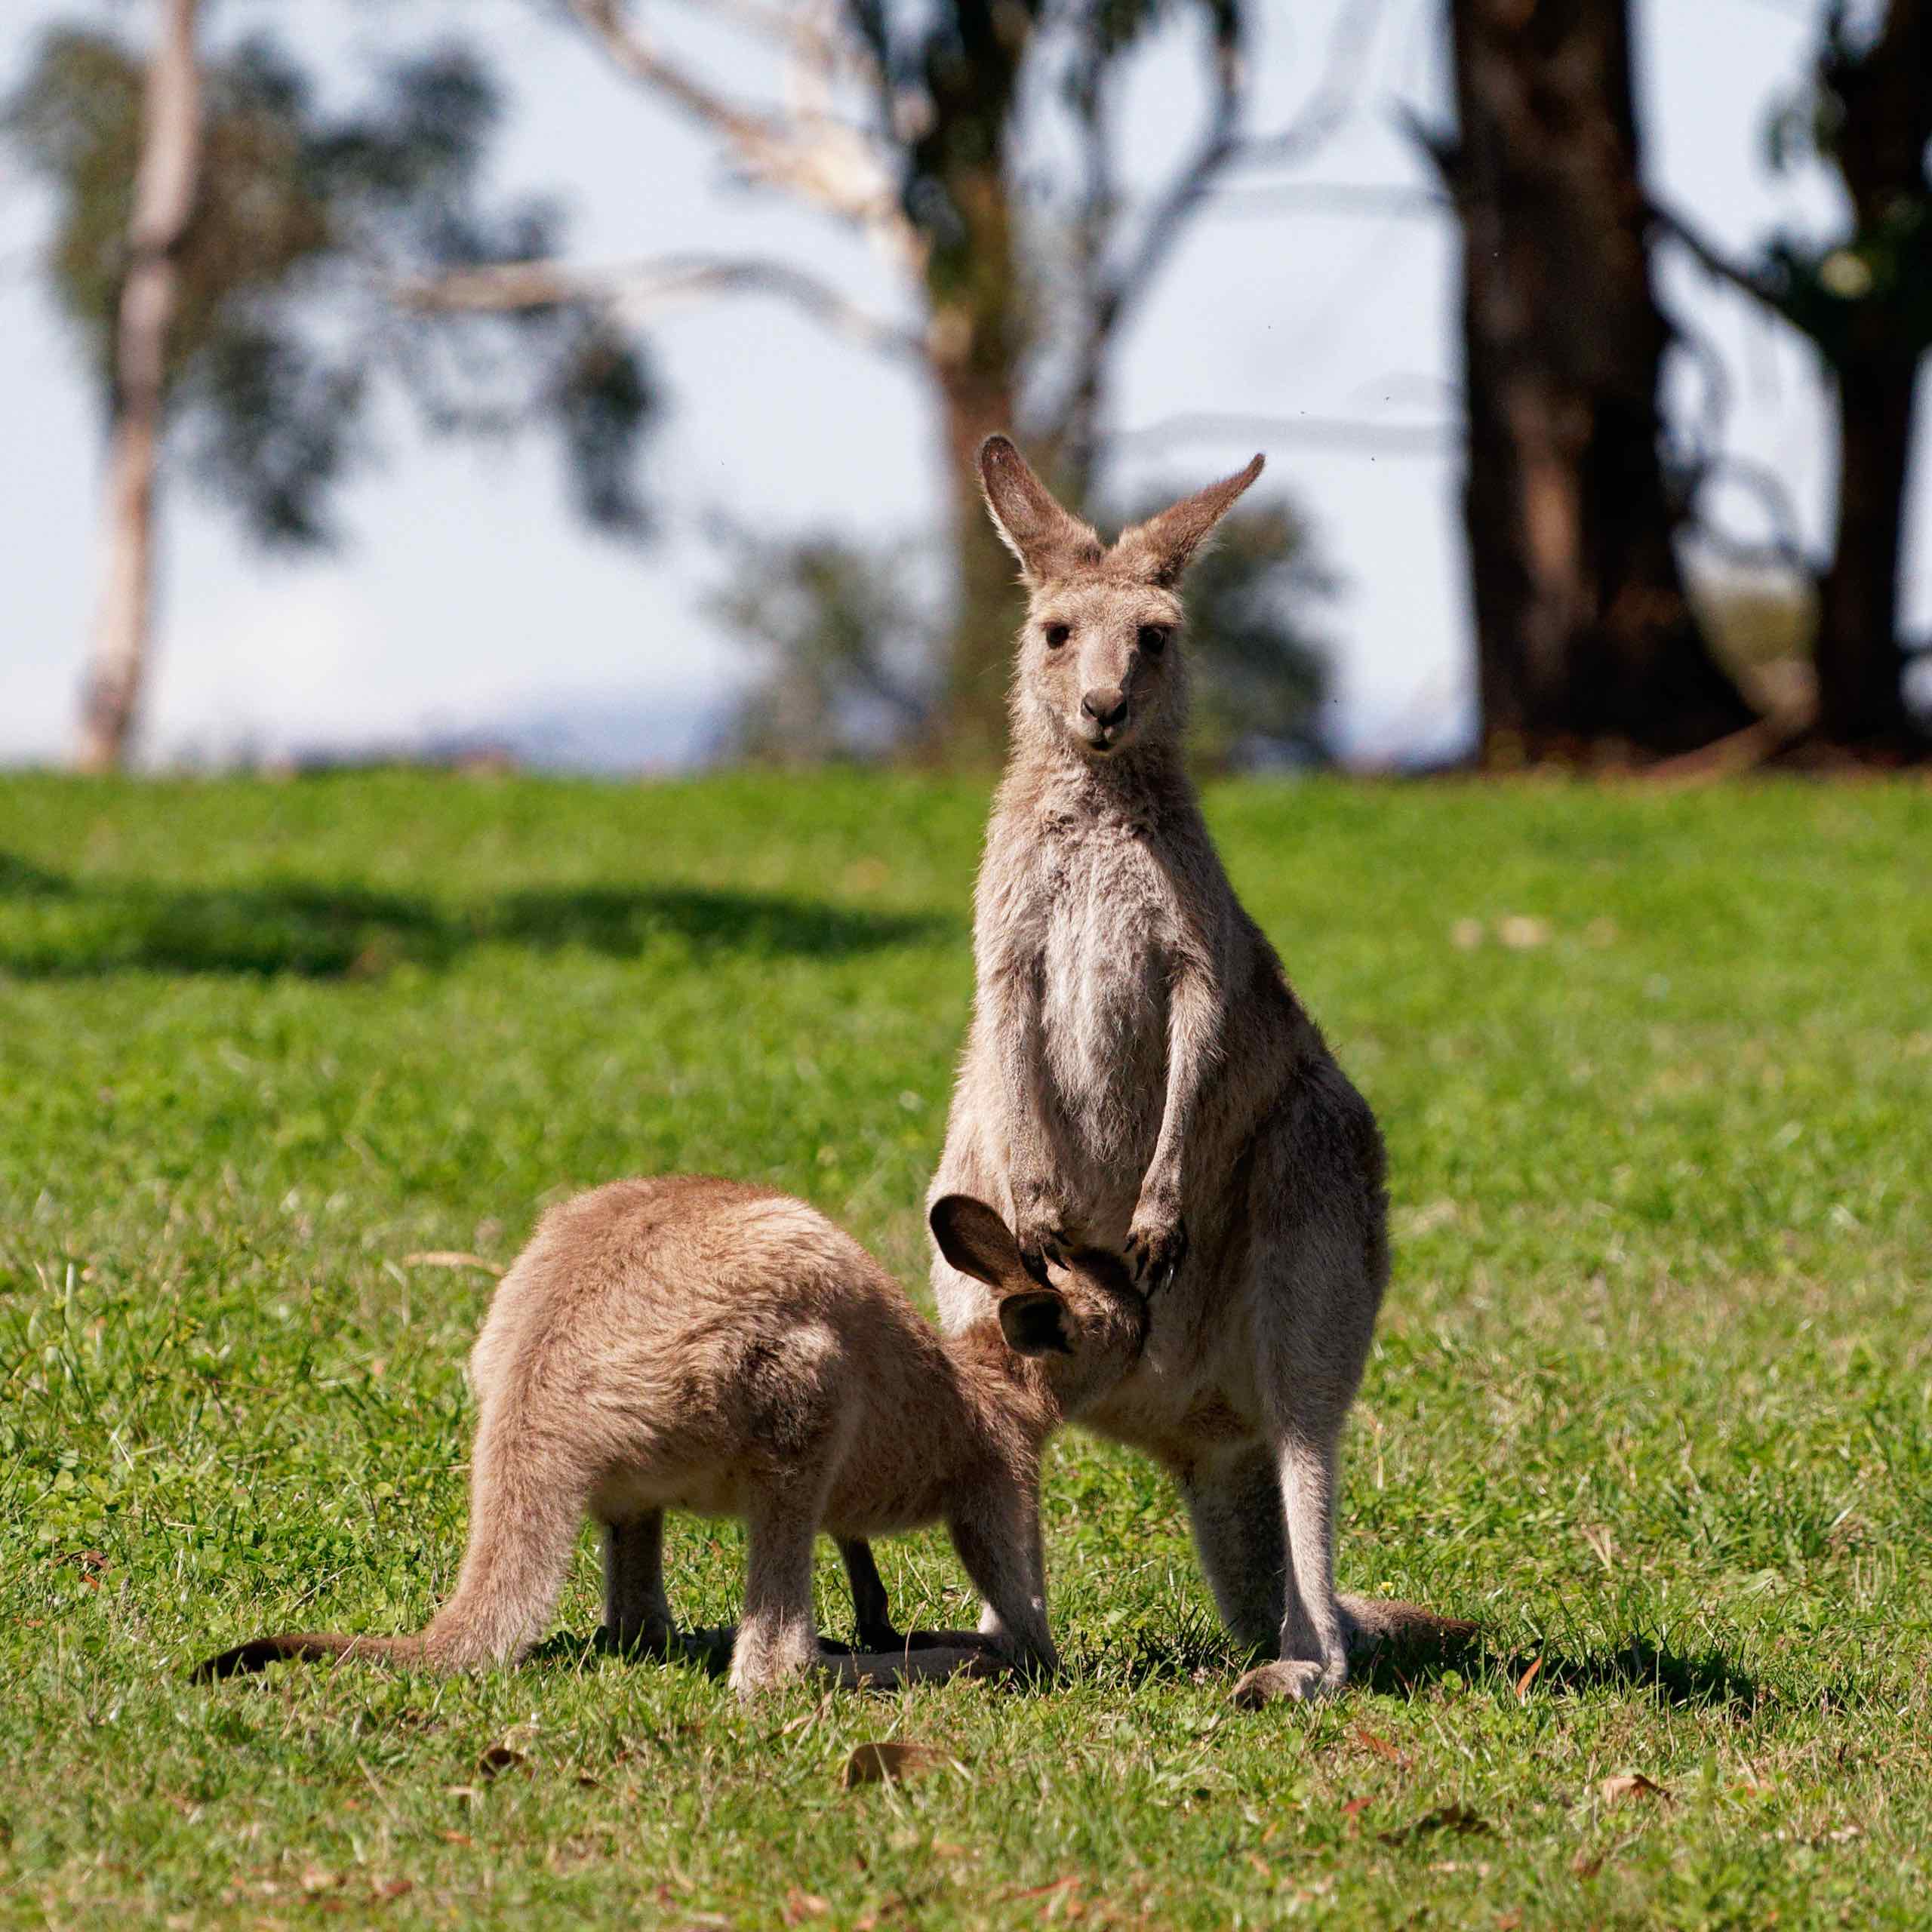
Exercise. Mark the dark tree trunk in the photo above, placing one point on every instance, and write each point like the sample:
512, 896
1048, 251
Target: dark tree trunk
1860, 663
1874, 347
1586, 644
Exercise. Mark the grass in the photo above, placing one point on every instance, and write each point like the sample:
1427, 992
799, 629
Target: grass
1650, 1397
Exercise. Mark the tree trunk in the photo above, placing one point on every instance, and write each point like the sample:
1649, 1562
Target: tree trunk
1586, 645
972, 724
1885, 91
165, 186
1860, 664
959, 197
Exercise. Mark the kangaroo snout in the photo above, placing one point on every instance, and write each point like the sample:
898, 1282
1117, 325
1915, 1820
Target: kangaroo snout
1106, 711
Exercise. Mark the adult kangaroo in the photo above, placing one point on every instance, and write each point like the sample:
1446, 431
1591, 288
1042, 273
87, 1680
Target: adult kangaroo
1139, 1077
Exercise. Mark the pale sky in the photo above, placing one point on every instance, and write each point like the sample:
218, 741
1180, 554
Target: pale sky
466, 592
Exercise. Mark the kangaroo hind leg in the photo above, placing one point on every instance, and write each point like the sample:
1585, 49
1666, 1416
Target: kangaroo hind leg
637, 1613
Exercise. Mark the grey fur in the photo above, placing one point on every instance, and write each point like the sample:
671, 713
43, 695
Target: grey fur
1140, 1077
692, 1343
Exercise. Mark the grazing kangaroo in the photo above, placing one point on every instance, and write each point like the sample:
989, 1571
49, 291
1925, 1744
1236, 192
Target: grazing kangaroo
1139, 1077
697, 1344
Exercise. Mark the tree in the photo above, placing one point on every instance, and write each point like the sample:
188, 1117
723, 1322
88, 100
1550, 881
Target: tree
838, 636
903, 122
228, 253
1586, 642
1863, 300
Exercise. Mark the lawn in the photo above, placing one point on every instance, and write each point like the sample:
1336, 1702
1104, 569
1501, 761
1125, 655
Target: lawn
1652, 1398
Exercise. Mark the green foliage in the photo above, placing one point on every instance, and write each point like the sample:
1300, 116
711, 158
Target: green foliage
1650, 1396
843, 642
304, 223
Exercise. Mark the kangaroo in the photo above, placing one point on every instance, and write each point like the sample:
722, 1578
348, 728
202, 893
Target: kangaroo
699, 1344
1139, 1076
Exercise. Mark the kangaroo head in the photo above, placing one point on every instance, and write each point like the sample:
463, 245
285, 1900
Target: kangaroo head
1086, 1331
1099, 668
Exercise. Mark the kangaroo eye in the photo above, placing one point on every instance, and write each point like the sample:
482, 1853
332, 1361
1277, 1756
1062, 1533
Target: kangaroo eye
1058, 635
1154, 639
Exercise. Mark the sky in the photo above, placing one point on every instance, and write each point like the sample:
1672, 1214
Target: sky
466, 595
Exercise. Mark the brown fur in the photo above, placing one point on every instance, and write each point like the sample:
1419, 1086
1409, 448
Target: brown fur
1139, 1076
698, 1344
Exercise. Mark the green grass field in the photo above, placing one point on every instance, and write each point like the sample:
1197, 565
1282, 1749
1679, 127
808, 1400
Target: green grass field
1652, 1398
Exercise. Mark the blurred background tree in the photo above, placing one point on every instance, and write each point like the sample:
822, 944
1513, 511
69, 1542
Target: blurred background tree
1862, 298
921, 125
229, 252
1587, 644
839, 637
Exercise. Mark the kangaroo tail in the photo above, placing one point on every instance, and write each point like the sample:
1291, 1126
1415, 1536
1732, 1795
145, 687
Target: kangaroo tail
1369, 1622
303, 1646
525, 1505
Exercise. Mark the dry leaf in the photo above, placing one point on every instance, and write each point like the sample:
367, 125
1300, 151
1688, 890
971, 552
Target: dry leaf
1374, 1741
1355, 1807
800, 1906
315, 1880
498, 1759
1465, 935
1586, 1864
451, 1258
1629, 1784
1445, 1818
1520, 932
894, 1757
1524, 1682
393, 1888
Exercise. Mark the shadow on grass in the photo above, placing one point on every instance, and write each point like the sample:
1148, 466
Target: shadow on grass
318, 930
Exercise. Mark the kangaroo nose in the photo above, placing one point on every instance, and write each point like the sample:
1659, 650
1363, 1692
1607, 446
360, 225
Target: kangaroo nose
1106, 709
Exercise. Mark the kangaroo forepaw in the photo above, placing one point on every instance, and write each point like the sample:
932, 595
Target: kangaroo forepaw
1154, 1253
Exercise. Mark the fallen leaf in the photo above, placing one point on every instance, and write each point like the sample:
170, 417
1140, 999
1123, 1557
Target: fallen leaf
451, 1258
1465, 935
393, 1888
1629, 1784
589, 1782
800, 1906
455, 1837
315, 1880
1524, 1682
1045, 1891
1445, 1818
1355, 1807
894, 1757
1586, 1864
1520, 932
498, 1759
1510, 1921
1374, 1741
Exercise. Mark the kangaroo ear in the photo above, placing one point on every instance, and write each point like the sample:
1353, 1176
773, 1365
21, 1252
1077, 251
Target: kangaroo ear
975, 1240
1047, 539
1035, 1323
1161, 548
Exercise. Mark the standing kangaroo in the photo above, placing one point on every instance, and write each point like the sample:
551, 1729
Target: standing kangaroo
1139, 1077
698, 1344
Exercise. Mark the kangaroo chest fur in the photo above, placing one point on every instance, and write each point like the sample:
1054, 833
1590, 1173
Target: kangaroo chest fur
1105, 920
